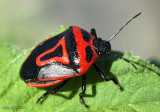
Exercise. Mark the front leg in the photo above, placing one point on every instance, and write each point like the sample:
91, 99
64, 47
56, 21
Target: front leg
100, 71
93, 32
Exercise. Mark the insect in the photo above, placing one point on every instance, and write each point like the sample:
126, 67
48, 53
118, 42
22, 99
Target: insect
66, 55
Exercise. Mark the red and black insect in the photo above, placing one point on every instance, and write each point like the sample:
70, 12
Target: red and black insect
68, 54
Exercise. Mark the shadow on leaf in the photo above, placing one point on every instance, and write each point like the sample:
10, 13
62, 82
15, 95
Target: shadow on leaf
92, 77
155, 61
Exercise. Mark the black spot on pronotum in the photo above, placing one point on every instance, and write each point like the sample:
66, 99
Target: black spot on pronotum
57, 52
85, 35
89, 53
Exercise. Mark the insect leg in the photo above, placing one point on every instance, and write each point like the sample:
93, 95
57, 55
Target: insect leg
83, 91
93, 32
116, 56
100, 71
53, 91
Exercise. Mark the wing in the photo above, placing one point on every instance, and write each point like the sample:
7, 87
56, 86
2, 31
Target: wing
55, 71
30, 68
51, 74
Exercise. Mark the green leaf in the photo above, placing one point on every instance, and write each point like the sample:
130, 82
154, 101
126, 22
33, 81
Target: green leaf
155, 61
141, 87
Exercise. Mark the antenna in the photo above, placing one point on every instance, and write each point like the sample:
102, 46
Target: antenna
124, 26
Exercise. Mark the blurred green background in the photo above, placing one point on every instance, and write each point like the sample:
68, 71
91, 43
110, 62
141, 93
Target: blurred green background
24, 22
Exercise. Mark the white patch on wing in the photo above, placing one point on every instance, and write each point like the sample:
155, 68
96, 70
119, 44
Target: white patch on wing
55, 70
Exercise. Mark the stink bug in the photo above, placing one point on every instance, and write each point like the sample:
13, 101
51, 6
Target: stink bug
68, 54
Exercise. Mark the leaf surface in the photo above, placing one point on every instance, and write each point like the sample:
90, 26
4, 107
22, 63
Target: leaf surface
141, 87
